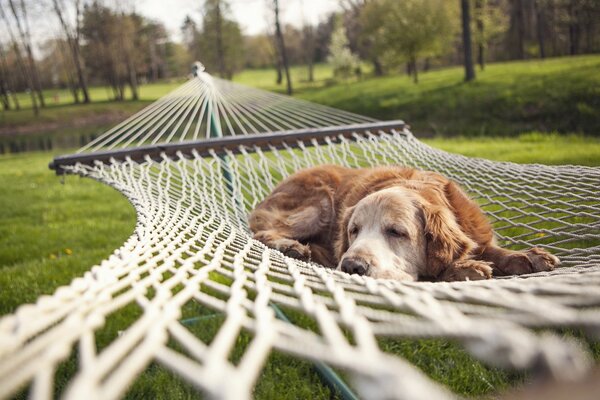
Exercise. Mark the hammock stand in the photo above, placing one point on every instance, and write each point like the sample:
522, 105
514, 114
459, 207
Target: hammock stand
191, 246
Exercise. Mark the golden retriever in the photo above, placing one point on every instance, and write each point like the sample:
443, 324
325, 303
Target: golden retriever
387, 222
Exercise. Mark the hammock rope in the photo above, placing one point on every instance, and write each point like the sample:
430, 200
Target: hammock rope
192, 246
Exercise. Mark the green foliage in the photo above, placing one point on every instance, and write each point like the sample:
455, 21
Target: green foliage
259, 51
493, 20
404, 31
343, 61
219, 44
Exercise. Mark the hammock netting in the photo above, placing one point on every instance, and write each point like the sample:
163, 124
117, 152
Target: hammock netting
191, 247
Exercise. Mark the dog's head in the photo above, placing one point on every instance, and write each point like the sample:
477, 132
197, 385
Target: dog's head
395, 233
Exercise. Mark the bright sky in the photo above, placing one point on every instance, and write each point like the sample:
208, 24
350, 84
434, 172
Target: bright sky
252, 15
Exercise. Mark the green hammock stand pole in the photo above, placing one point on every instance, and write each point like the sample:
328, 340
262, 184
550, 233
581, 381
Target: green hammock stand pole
332, 379
216, 132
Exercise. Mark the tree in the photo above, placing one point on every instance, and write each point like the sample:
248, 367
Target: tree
73, 35
405, 31
354, 29
516, 32
467, 45
308, 42
58, 63
21, 63
8, 81
102, 32
490, 24
220, 40
154, 38
539, 16
22, 23
343, 61
281, 46
480, 32
260, 52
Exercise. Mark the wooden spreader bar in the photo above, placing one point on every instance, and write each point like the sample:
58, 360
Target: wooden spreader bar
220, 146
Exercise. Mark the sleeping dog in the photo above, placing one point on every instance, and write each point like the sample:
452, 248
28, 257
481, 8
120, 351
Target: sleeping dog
387, 222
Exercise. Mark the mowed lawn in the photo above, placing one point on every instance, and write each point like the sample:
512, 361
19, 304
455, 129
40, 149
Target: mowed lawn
51, 232
561, 94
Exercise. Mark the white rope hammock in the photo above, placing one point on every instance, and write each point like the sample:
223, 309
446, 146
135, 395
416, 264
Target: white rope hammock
191, 246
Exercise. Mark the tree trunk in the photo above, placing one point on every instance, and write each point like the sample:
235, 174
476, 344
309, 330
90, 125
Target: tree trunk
26, 40
279, 72
79, 66
539, 15
573, 30
4, 90
480, 9
4, 95
220, 52
73, 86
281, 43
80, 72
309, 46
466, 28
377, 67
133, 84
518, 28
10, 80
153, 60
74, 48
21, 65
71, 82
415, 69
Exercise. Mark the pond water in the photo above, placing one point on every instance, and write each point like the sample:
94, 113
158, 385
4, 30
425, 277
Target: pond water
52, 140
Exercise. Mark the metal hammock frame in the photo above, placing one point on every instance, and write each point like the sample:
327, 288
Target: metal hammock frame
194, 163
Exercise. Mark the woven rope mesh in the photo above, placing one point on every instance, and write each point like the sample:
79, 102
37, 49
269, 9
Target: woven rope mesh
191, 247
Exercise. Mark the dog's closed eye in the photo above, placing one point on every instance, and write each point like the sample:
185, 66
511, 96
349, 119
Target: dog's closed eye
353, 230
396, 232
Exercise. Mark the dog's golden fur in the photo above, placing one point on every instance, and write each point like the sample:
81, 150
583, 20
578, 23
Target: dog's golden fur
406, 224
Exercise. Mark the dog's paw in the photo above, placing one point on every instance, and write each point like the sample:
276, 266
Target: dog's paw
467, 270
528, 262
292, 248
541, 260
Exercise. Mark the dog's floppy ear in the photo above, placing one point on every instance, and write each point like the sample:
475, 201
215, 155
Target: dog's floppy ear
341, 243
446, 242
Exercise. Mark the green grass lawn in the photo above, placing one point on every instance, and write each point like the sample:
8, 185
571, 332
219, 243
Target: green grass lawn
561, 94
52, 232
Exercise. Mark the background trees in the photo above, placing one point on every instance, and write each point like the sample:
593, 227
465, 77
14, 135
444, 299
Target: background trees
101, 42
216, 40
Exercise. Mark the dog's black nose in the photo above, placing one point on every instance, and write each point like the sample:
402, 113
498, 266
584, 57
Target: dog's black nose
354, 266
